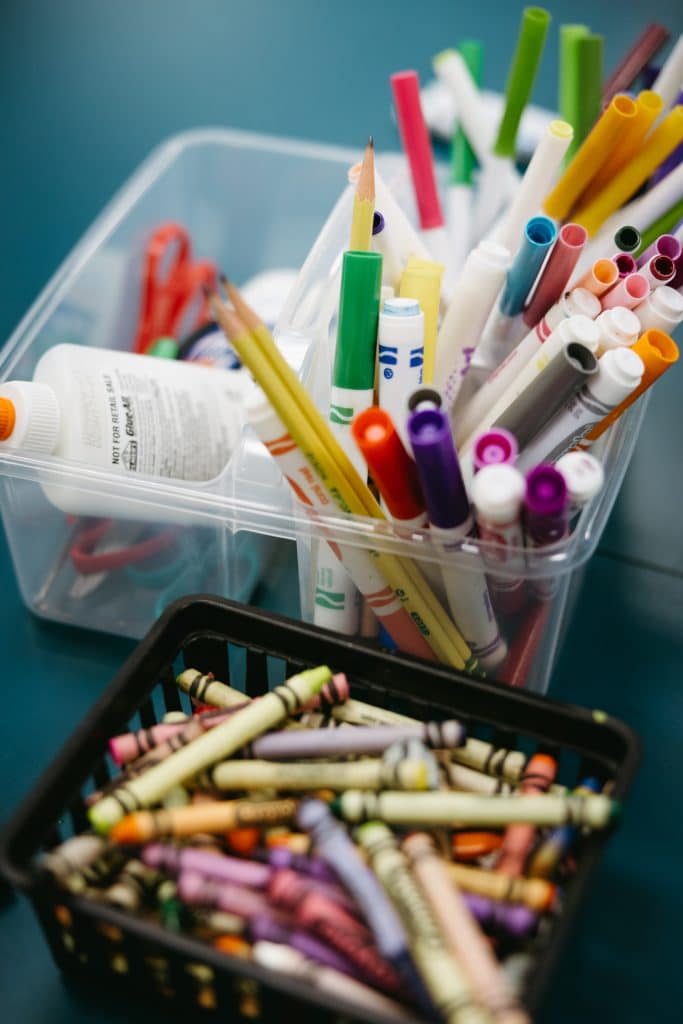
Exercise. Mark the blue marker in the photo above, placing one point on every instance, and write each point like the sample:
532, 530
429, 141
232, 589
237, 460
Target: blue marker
400, 357
505, 324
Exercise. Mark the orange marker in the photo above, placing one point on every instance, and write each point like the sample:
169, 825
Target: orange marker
601, 276
659, 352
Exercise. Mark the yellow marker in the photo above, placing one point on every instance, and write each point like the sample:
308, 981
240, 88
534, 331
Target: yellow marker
311, 433
421, 280
590, 156
364, 202
656, 148
648, 108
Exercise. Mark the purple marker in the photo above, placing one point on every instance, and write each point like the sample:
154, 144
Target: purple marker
665, 245
625, 262
494, 448
214, 866
264, 928
451, 524
546, 515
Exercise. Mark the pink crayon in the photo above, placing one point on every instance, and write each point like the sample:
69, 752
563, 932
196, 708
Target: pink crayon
290, 888
196, 890
131, 745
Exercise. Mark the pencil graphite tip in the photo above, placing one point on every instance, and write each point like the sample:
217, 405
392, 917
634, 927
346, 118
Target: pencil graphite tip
371, 142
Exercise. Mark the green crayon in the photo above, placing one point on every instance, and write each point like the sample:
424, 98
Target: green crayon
208, 748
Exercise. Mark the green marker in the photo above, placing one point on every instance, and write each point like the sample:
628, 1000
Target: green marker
521, 77
569, 79
164, 348
463, 165
590, 91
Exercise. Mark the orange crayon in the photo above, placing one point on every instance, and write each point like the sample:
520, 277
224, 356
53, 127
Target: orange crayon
217, 817
518, 839
470, 846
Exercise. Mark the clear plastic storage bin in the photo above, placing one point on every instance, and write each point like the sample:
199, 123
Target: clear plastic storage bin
250, 203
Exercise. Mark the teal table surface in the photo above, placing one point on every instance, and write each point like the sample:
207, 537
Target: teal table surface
88, 89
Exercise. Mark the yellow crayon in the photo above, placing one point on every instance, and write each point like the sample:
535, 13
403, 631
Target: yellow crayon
369, 773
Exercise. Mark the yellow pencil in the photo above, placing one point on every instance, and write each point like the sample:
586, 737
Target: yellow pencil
364, 202
312, 434
656, 148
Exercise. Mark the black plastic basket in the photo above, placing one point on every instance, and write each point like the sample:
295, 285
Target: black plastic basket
252, 649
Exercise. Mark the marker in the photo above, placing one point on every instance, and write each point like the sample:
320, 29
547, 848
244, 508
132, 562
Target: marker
555, 276
662, 310
425, 397
601, 276
546, 517
497, 493
450, 524
518, 840
451, 809
421, 280
444, 978
618, 326
658, 270
625, 263
566, 373
668, 81
494, 448
627, 238
665, 245
500, 332
405, 87
521, 77
474, 419
584, 476
461, 930
473, 298
463, 165
333, 843
620, 371
575, 329
244, 725
658, 352
400, 356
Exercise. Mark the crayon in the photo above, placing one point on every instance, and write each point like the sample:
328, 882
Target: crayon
510, 919
469, 846
333, 843
264, 928
220, 742
459, 809
313, 867
135, 884
196, 890
461, 930
343, 742
215, 922
276, 957
131, 745
206, 688
518, 839
214, 817
175, 860
536, 893
332, 923
232, 945
74, 855
286, 775
549, 853
443, 976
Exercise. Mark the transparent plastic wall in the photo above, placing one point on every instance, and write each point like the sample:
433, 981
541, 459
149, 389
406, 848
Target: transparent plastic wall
250, 204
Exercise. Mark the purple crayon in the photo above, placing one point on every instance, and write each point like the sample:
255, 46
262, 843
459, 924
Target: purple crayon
313, 867
368, 740
494, 447
214, 866
196, 890
495, 917
264, 928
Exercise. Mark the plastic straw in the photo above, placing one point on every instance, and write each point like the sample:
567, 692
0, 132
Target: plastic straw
651, 39
521, 77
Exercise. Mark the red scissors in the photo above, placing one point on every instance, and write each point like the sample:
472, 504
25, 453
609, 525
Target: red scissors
172, 303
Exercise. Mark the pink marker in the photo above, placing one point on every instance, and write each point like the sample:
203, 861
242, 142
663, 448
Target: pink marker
405, 86
554, 277
628, 293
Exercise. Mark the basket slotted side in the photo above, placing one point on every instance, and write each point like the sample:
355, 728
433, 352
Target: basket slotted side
250, 648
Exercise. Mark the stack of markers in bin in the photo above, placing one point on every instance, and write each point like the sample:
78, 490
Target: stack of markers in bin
478, 361
401, 865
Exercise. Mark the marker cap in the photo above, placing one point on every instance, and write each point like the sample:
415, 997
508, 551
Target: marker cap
618, 326
390, 466
430, 435
546, 503
619, 372
662, 309
494, 447
354, 360
497, 493
581, 302
583, 475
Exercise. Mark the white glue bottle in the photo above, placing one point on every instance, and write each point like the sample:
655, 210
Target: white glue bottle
124, 413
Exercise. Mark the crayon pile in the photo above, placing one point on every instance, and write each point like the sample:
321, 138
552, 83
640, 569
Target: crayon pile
403, 866
480, 355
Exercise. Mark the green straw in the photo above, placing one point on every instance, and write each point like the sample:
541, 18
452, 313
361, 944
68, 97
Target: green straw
664, 225
569, 82
590, 90
463, 160
521, 77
